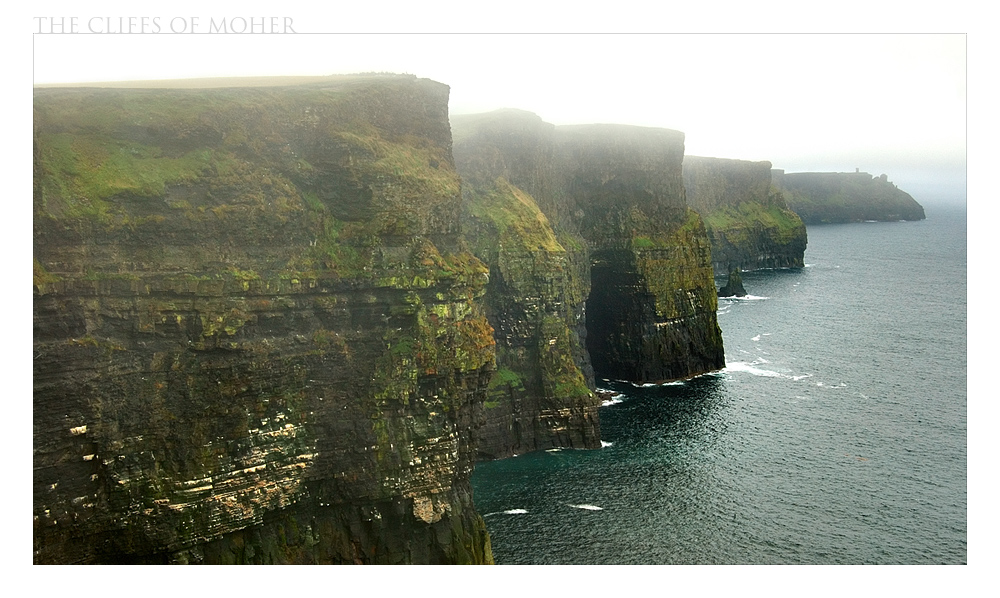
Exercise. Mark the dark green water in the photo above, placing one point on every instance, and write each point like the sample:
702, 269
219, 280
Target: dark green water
836, 434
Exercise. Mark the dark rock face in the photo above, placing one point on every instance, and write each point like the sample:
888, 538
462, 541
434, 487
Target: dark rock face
734, 286
542, 394
831, 197
257, 331
748, 221
593, 254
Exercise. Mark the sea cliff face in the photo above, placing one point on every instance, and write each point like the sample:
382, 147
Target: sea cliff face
748, 220
830, 197
594, 257
257, 332
261, 335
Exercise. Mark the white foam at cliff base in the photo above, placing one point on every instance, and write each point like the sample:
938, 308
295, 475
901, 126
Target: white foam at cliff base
613, 401
605, 444
651, 384
586, 507
740, 366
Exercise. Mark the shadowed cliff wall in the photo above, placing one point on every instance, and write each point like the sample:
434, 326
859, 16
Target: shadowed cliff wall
593, 256
257, 331
747, 219
542, 394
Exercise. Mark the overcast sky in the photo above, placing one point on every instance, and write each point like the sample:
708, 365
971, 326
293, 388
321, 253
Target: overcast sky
884, 103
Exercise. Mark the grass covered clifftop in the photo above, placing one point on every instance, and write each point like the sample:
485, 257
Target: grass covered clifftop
746, 217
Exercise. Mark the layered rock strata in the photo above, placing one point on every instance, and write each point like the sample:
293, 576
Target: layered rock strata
594, 258
257, 331
542, 394
834, 197
748, 220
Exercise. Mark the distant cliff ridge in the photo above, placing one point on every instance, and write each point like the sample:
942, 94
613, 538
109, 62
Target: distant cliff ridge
594, 259
827, 197
747, 219
257, 330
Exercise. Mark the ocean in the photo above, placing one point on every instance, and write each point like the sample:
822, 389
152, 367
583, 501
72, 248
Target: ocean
837, 434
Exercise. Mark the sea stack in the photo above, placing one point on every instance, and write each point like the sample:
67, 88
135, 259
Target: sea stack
733, 288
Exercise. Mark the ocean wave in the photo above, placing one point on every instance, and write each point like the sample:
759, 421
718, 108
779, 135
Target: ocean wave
605, 444
741, 366
507, 512
587, 507
651, 384
613, 401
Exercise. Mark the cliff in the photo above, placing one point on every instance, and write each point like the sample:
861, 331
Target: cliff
828, 197
747, 219
257, 331
594, 257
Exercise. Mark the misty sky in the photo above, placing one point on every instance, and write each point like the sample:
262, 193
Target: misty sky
884, 103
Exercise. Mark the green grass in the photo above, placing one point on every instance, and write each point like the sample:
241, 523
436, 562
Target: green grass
506, 377
85, 170
734, 220
43, 276
515, 215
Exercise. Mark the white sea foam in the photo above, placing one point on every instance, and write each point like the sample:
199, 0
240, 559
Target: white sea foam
756, 338
613, 400
651, 384
740, 366
553, 450
606, 444
507, 512
586, 507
